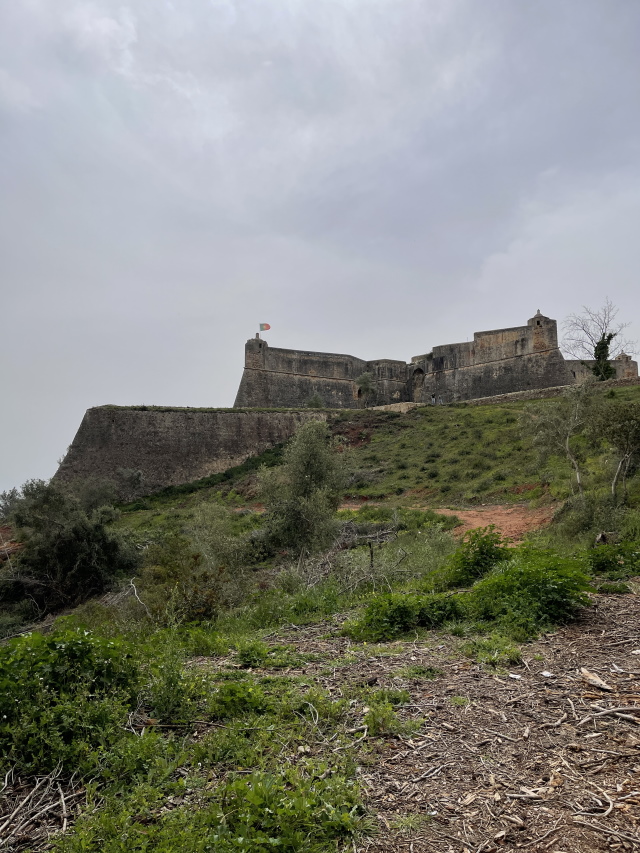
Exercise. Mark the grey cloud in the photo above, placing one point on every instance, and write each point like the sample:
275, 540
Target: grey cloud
369, 176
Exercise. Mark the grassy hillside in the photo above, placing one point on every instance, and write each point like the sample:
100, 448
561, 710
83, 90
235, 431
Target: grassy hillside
396, 688
430, 457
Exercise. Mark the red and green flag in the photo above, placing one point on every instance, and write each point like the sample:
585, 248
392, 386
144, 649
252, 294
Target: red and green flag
264, 327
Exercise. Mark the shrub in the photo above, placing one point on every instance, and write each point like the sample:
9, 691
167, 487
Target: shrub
69, 554
536, 587
480, 551
495, 651
262, 812
233, 699
388, 616
252, 654
614, 589
381, 719
62, 698
615, 562
302, 495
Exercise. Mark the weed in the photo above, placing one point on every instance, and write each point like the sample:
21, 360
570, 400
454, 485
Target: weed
494, 651
418, 671
382, 720
614, 589
480, 551
533, 589
252, 654
234, 699
459, 701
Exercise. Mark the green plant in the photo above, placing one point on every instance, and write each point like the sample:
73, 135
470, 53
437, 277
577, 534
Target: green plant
479, 552
382, 720
389, 696
391, 615
285, 810
615, 562
252, 653
495, 651
233, 699
535, 588
302, 495
63, 698
459, 701
614, 589
68, 554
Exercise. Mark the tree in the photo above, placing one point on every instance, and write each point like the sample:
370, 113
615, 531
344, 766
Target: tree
69, 553
556, 426
619, 425
595, 336
366, 385
302, 495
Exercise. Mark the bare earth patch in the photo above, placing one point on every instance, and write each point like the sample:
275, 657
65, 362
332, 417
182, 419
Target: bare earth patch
513, 520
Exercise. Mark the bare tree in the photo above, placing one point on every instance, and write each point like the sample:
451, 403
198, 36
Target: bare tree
585, 332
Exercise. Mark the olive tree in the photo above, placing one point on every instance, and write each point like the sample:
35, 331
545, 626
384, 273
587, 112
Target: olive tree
302, 495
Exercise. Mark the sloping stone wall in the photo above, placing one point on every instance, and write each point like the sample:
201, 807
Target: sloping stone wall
172, 446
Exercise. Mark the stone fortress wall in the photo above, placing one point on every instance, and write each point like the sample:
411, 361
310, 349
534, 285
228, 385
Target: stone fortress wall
172, 446
501, 361
169, 446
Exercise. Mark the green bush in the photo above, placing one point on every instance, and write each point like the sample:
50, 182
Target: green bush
615, 562
282, 811
389, 616
614, 589
535, 588
233, 699
382, 720
252, 654
480, 551
63, 698
69, 553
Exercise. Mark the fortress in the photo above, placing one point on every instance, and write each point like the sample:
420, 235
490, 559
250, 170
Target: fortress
521, 358
165, 446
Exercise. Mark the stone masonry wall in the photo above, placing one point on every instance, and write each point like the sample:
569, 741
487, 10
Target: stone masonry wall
172, 446
501, 361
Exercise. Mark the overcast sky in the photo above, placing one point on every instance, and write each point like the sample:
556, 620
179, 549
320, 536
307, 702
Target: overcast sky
374, 177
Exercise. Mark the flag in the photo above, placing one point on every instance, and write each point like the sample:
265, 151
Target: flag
264, 327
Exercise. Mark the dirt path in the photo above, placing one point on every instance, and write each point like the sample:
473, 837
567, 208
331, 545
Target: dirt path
512, 520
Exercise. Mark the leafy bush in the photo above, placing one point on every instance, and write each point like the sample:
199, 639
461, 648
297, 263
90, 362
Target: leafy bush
614, 589
480, 551
302, 495
388, 616
252, 654
615, 562
381, 719
69, 554
282, 811
63, 698
233, 699
535, 588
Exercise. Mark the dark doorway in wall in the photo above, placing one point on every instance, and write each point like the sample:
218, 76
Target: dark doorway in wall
418, 382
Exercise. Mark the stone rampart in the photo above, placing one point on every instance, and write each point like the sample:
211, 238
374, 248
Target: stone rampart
172, 446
